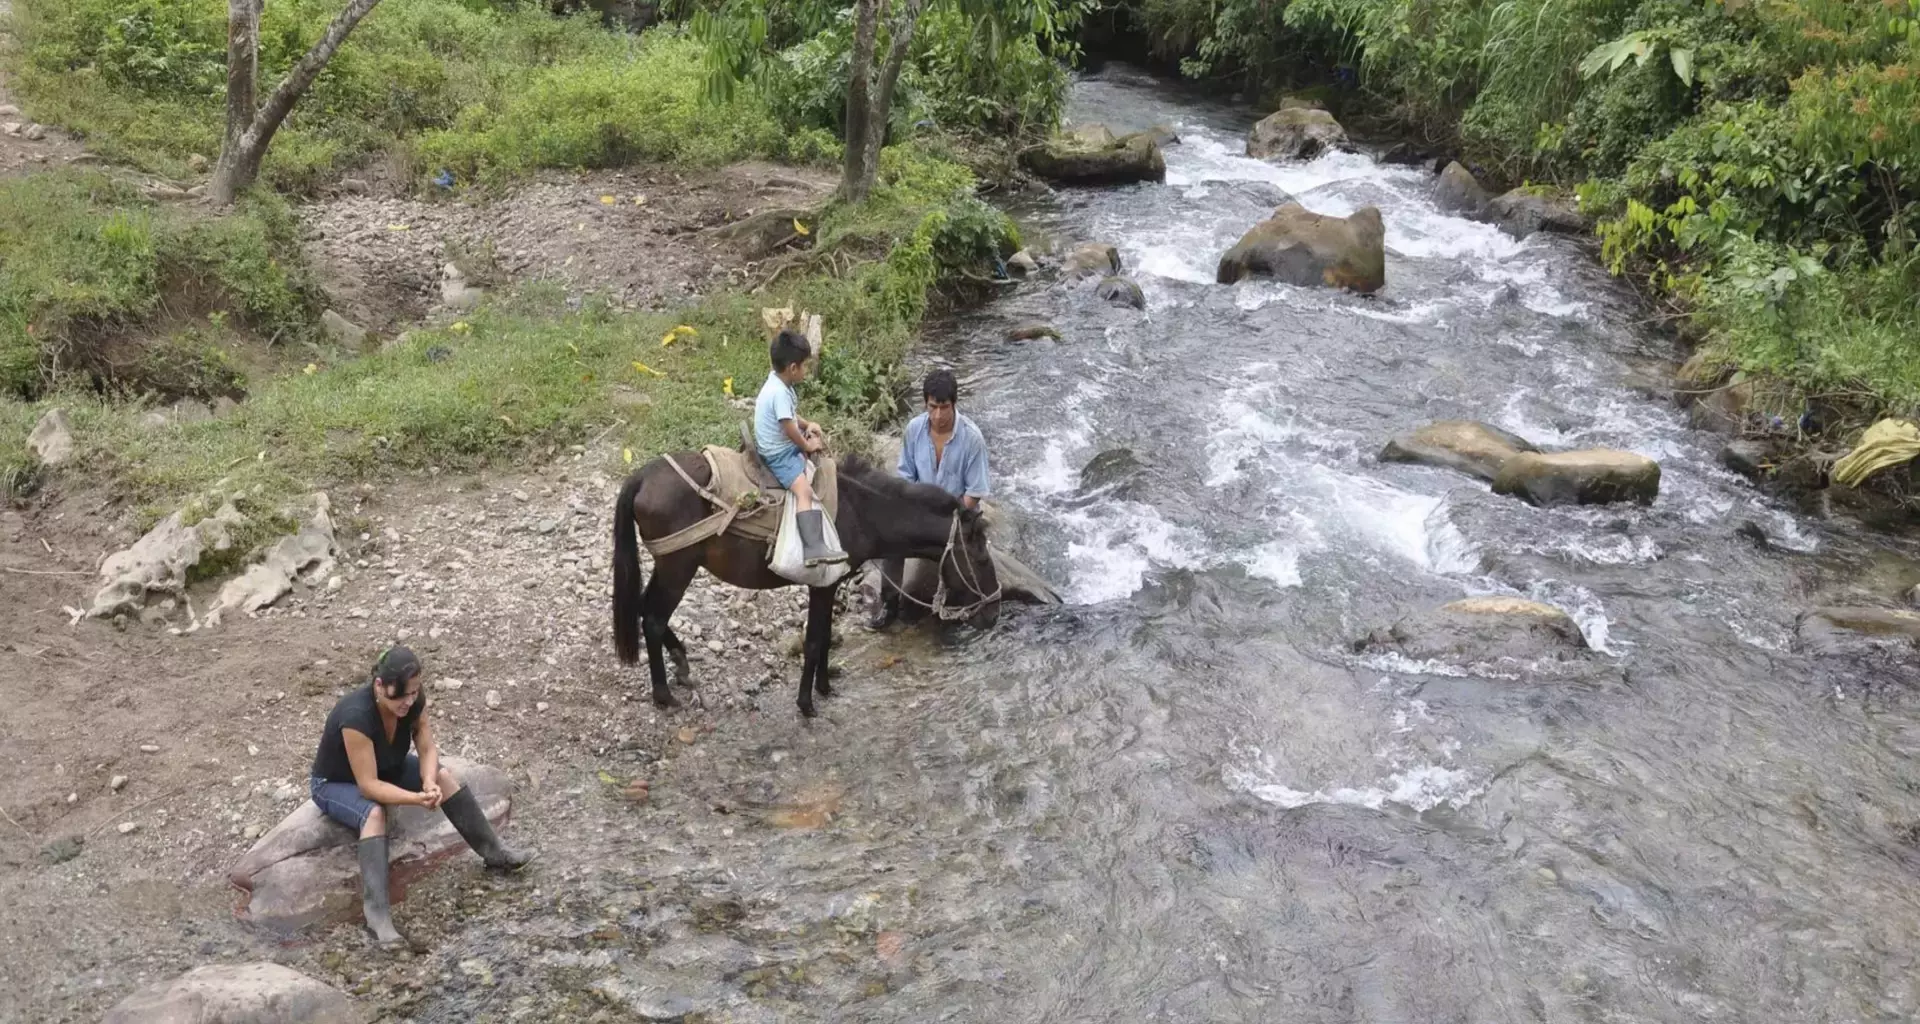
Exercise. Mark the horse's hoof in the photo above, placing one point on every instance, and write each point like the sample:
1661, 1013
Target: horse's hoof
806, 711
822, 688
665, 699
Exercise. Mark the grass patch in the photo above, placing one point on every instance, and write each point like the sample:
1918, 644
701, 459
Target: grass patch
529, 372
87, 259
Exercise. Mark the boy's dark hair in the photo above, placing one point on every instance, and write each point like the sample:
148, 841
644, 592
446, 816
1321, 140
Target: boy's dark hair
789, 348
940, 387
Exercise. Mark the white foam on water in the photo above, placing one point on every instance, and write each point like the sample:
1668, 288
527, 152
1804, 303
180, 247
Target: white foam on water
1414, 527
1420, 788
1419, 231
1584, 608
1787, 533
1112, 552
1419, 313
1204, 155
1242, 431
1754, 638
1277, 561
1610, 549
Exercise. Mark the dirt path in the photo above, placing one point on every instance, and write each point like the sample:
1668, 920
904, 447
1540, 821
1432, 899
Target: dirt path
24, 145
501, 581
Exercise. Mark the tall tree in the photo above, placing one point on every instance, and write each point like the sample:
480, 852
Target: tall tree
250, 129
736, 34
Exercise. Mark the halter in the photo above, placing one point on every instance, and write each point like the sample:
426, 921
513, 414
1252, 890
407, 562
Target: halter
969, 574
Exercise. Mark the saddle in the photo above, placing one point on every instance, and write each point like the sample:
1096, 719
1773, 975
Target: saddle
746, 498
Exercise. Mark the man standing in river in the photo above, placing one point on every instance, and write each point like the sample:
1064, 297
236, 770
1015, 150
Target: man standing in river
943, 448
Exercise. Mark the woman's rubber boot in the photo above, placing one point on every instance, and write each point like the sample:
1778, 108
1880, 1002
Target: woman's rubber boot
813, 543
471, 822
373, 894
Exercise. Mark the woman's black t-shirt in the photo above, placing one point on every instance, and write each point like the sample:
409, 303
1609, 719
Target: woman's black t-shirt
357, 711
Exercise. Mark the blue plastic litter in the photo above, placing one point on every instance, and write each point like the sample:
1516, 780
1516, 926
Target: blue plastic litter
444, 179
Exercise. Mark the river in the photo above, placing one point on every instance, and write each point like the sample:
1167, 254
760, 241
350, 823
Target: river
1182, 797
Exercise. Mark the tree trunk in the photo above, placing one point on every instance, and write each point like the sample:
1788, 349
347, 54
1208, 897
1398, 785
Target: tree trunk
902, 40
243, 66
855, 179
240, 157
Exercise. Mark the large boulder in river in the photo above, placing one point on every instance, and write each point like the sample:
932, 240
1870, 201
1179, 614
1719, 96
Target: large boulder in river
304, 871
1295, 133
1595, 476
258, 993
1525, 211
1086, 161
1458, 191
1479, 630
1120, 291
1467, 446
1092, 258
1301, 247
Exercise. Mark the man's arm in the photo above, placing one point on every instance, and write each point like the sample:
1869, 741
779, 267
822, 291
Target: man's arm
906, 468
979, 483
367, 776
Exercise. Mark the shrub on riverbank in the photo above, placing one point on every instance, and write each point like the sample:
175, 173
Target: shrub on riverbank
87, 260
1754, 161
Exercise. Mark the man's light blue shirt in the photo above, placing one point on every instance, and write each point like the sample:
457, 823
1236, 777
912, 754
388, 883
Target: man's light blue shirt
962, 468
776, 402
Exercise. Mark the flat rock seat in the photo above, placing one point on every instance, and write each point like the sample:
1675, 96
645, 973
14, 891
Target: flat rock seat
305, 871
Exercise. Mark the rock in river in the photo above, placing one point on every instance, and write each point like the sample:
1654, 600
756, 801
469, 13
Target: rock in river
257, 993
304, 871
1595, 476
1523, 212
1481, 629
1464, 445
1095, 157
1091, 258
1459, 191
1300, 247
1295, 133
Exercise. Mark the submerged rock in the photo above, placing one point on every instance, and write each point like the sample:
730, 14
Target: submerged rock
1523, 212
1033, 331
1459, 191
1113, 470
1467, 446
1481, 629
1120, 291
1859, 631
304, 871
1596, 476
1295, 133
1297, 246
258, 993
1096, 158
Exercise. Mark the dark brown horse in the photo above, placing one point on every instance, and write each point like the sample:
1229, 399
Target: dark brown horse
881, 516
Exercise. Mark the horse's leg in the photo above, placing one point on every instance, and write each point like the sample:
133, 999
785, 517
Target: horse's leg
682, 669
671, 576
812, 653
820, 627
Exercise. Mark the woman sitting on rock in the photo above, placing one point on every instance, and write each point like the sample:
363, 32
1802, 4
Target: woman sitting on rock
364, 767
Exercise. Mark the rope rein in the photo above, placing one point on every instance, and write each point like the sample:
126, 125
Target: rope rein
966, 569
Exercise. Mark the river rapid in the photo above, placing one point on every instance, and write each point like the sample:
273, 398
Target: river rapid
1183, 797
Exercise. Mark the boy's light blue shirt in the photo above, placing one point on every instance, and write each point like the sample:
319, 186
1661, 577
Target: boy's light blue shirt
776, 402
962, 470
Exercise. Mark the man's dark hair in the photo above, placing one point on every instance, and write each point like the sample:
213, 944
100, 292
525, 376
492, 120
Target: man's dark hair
789, 348
941, 387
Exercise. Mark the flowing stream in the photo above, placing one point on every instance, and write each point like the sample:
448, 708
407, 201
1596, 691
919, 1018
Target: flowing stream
1184, 798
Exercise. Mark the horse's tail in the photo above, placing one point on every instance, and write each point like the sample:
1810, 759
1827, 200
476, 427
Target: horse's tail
627, 579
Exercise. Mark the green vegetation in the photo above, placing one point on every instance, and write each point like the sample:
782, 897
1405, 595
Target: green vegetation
1756, 161
86, 258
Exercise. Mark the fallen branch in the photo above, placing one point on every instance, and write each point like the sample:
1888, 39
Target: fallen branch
15, 824
130, 810
46, 572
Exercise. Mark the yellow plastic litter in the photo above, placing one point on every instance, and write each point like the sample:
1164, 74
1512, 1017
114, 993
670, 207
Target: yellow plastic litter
644, 368
1886, 444
727, 387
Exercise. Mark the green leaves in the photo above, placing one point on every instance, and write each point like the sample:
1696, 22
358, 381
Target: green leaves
1638, 47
